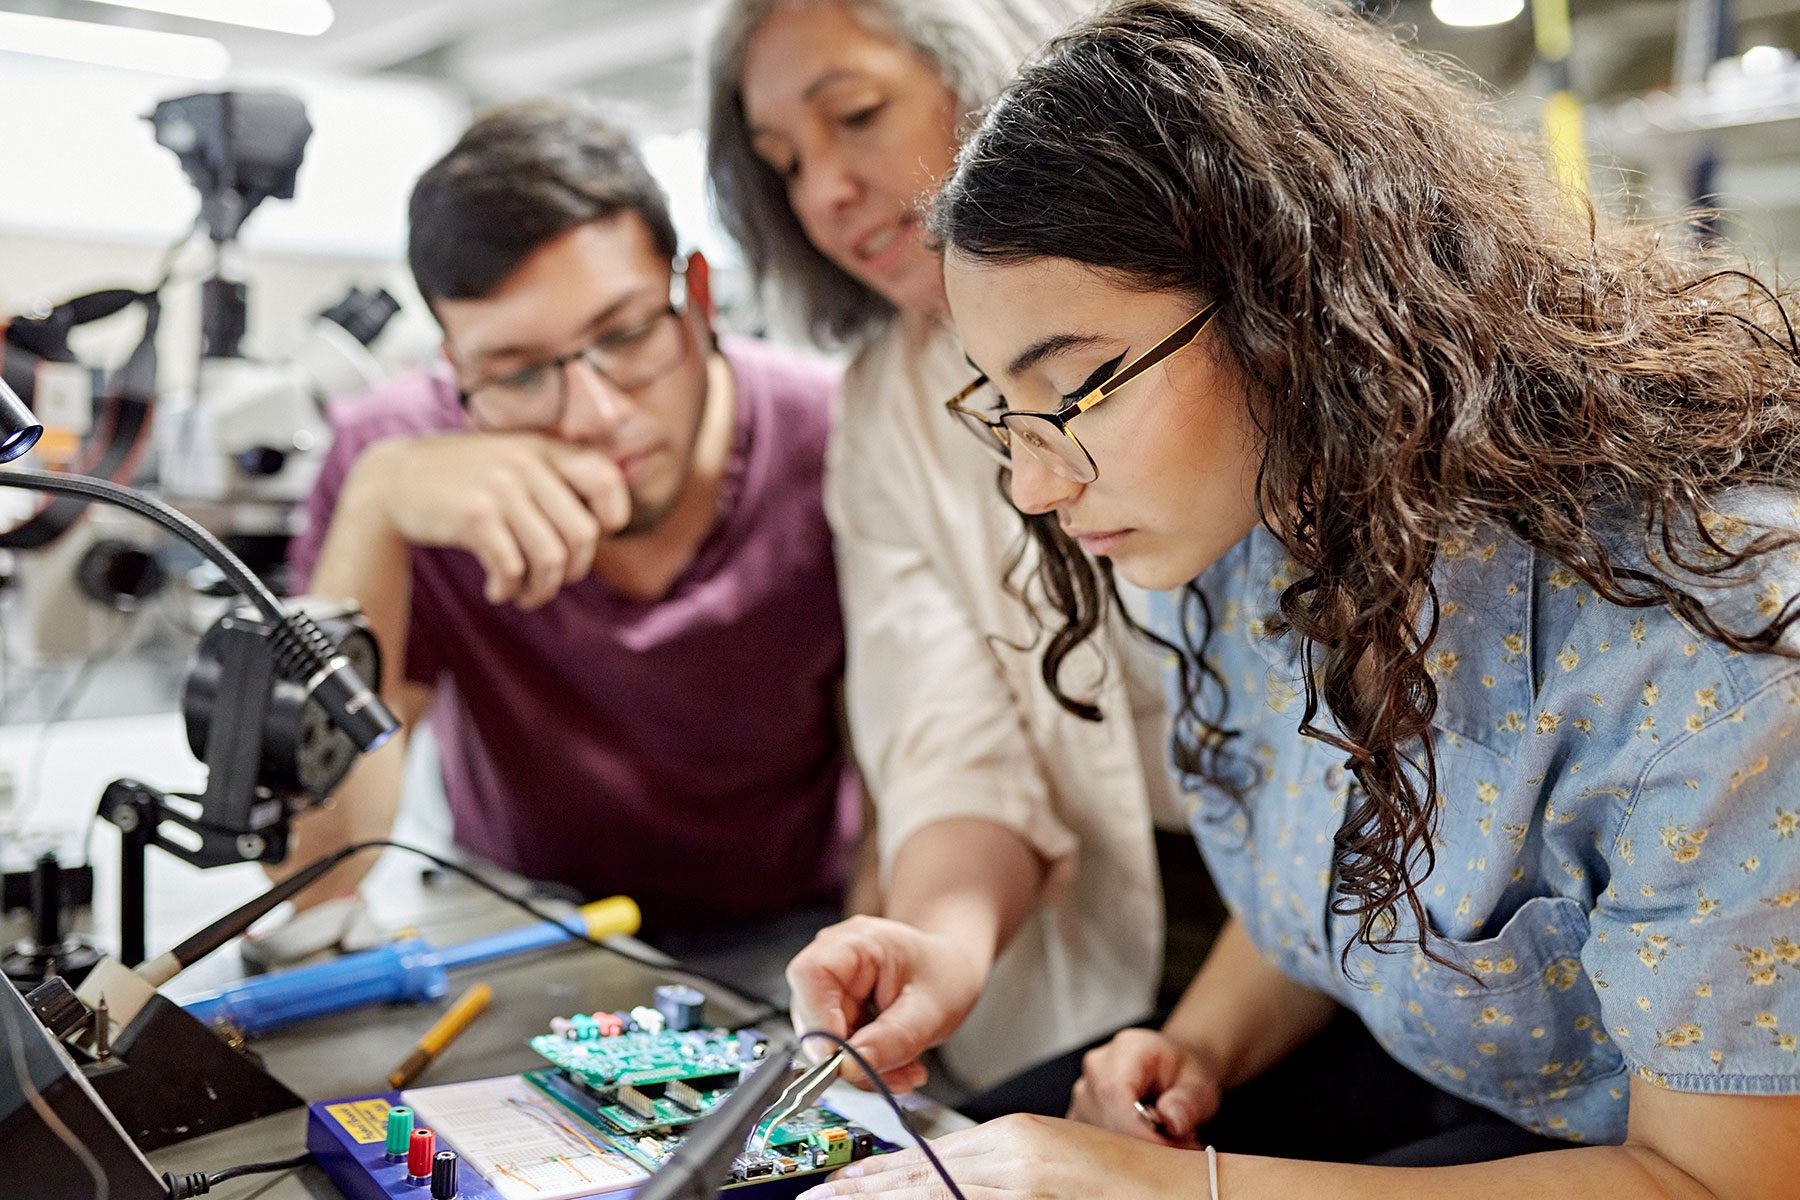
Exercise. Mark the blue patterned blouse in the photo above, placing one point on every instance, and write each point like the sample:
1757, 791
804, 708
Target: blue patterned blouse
1617, 854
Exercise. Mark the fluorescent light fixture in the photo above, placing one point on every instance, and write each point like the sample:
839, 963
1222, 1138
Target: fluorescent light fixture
308, 18
1472, 14
114, 46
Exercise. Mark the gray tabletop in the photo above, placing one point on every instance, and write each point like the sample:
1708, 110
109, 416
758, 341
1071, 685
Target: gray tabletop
351, 1054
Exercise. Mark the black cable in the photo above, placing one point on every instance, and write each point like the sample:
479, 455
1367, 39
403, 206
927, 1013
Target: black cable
301, 648
183, 1187
230, 925
893, 1102
262, 1168
769, 1007
82, 487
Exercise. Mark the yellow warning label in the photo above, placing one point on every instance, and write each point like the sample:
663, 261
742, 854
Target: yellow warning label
364, 1120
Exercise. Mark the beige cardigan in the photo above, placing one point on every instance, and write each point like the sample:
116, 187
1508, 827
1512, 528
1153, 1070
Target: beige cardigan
950, 718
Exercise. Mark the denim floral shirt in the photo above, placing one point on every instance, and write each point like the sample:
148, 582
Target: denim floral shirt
1617, 850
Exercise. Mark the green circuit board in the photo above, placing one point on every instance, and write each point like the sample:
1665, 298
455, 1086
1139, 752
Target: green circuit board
815, 1140
792, 1142
642, 1088
704, 1059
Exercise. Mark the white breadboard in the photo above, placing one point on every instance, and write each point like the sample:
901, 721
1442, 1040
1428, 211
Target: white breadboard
518, 1140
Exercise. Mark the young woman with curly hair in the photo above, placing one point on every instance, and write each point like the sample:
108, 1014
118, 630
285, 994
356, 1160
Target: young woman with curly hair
1478, 519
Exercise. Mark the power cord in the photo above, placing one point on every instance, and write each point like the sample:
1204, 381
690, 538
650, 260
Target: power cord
182, 1187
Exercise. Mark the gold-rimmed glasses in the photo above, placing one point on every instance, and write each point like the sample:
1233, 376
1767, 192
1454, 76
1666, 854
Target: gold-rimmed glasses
1046, 436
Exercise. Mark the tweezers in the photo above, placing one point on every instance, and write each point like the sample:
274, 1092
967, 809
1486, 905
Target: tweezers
799, 1095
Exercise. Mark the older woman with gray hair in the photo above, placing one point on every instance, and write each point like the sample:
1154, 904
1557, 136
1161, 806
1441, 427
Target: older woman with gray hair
1022, 907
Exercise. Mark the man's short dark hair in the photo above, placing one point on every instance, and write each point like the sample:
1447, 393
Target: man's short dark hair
524, 174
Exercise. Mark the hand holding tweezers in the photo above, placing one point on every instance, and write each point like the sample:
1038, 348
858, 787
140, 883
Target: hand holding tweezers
799, 1095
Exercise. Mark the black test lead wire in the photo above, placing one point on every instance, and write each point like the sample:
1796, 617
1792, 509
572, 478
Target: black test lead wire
893, 1102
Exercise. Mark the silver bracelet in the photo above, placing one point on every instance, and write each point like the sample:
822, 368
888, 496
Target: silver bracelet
1212, 1172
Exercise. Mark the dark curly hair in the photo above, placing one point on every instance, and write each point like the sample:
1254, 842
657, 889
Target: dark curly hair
1435, 336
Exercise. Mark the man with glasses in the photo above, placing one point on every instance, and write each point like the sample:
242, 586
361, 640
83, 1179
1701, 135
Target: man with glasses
593, 546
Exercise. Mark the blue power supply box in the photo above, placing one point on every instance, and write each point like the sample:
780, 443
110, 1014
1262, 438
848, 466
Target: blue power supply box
349, 1139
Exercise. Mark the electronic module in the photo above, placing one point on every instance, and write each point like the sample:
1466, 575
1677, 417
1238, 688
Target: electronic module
605, 1113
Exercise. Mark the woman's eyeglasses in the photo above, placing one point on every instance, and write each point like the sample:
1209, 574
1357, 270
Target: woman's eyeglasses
1046, 436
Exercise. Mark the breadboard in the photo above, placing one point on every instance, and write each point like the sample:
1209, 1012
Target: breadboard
526, 1147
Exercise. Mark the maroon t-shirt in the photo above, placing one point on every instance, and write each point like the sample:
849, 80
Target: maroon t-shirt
684, 751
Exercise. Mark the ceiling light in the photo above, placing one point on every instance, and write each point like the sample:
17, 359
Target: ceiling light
114, 46
1468, 14
306, 17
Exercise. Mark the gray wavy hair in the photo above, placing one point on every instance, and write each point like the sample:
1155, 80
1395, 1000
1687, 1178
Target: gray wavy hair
976, 45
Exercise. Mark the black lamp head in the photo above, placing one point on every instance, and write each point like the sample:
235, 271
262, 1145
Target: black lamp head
19, 429
239, 148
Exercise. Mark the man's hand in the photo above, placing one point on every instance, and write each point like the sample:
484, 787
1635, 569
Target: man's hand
1180, 1086
920, 987
531, 509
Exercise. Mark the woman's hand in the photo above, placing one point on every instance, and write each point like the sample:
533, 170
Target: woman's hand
1182, 1088
919, 987
1027, 1158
